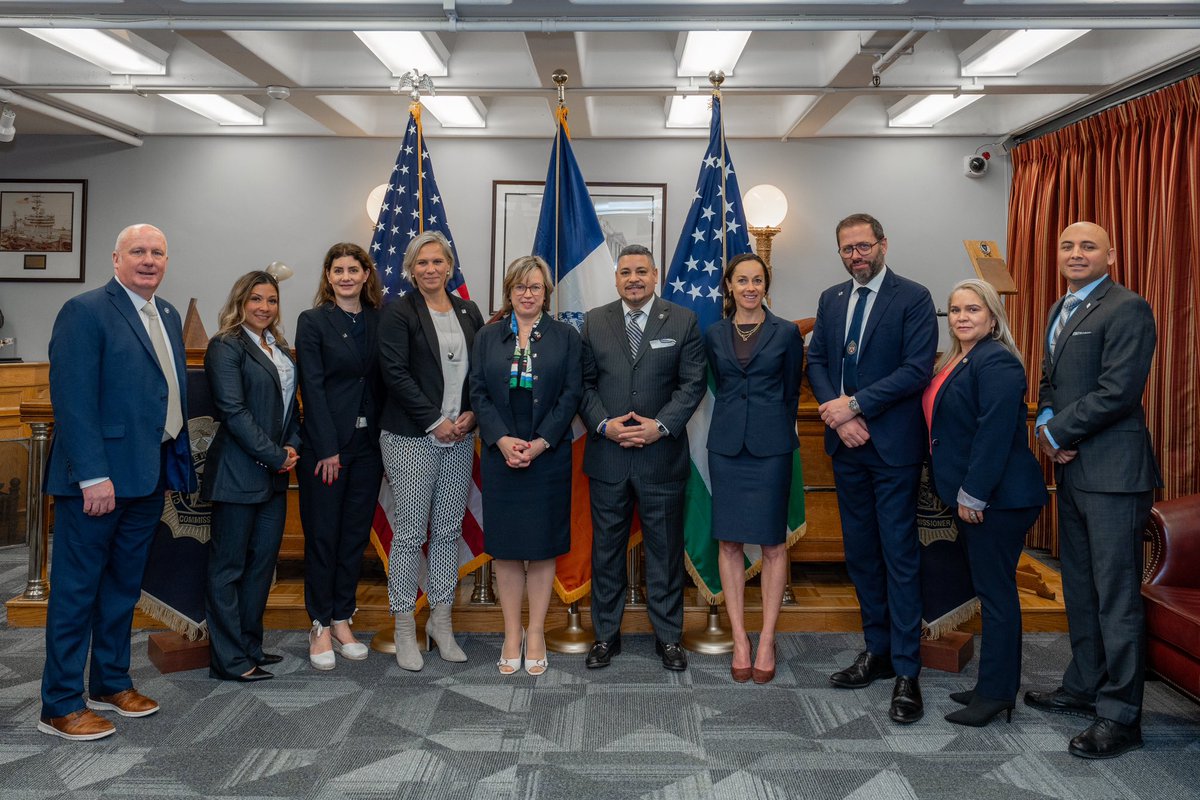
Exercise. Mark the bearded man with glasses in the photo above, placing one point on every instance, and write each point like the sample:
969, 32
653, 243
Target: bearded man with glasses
871, 356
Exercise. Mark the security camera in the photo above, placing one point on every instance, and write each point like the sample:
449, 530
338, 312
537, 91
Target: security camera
975, 166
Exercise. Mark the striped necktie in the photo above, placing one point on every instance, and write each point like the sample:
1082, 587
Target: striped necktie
1068, 306
635, 332
174, 420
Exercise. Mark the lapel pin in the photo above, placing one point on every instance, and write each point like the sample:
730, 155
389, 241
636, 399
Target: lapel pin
662, 315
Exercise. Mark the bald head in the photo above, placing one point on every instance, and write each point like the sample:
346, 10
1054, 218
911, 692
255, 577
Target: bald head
1084, 254
140, 259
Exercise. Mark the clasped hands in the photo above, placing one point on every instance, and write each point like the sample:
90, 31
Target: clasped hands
642, 432
519, 453
1058, 455
850, 427
451, 432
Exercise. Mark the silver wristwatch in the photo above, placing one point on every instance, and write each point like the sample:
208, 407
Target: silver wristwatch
853, 406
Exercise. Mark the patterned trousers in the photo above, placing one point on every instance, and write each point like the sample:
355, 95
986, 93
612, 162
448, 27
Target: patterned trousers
430, 484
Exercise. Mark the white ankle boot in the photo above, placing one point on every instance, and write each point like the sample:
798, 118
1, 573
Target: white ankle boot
407, 654
439, 630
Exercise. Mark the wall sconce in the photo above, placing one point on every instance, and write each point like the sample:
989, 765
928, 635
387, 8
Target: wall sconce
279, 271
766, 206
375, 202
8, 124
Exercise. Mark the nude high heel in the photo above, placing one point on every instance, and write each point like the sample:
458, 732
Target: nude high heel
408, 656
438, 630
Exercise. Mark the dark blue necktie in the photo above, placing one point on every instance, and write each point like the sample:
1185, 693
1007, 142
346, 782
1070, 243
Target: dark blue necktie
853, 342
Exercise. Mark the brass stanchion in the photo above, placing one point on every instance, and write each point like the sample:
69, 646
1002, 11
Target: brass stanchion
713, 640
483, 594
789, 599
37, 518
574, 638
384, 640
635, 595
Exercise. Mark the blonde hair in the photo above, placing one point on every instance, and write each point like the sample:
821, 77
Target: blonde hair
1000, 332
233, 313
517, 270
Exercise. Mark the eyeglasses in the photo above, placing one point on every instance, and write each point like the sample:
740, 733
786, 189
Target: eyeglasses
533, 288
862, 247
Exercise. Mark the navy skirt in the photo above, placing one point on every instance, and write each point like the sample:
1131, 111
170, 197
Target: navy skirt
750, 497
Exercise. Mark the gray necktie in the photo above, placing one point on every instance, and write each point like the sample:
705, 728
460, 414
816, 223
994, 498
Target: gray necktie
1069, 303
174, 421
634, 331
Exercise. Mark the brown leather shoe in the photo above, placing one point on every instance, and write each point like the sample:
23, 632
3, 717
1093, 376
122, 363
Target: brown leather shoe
129, 703
81, 726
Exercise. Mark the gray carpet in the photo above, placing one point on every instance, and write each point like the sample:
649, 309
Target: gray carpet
463, 732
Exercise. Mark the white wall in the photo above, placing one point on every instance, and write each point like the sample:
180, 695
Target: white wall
229, 205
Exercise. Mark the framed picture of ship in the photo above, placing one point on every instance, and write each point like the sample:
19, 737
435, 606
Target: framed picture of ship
42, 230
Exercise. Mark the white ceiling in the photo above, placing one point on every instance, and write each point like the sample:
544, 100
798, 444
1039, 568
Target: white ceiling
806, 70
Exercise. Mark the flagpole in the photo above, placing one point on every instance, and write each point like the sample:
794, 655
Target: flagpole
559, 76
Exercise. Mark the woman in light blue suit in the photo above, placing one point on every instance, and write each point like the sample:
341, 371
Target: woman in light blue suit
757, 359
253, 382
984, 470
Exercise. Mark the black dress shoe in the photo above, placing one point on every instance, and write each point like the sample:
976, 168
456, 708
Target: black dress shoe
980, 712
865, 670
256, 674
1060, 701
673, 656
266, 659
1106, 738
602, 652
907, 706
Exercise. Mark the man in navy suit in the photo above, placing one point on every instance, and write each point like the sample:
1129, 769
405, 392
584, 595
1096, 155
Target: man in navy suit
871, 356
1099, 344
117, 370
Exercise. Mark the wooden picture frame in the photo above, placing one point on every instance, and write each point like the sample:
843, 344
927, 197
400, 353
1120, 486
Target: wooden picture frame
43, 229
634, 213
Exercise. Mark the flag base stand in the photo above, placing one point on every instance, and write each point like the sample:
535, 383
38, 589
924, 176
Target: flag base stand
574, 638
384, 641
713, 640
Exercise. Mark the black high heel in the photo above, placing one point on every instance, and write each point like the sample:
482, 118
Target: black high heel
963, 698
981, 711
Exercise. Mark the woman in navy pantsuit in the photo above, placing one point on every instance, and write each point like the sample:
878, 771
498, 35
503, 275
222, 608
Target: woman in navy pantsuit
252, 379
983, 469
337, 348
757, 359
526, 381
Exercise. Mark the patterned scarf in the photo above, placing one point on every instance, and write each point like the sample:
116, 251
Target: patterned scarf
520, 374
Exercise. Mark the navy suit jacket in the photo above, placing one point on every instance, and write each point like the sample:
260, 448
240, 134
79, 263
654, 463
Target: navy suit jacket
980, 441
247, 451
897, 352
557, 379
756, 404
337, 381
110, 397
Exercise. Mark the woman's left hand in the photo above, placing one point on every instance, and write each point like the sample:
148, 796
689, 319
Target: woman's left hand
969, 515
327, 469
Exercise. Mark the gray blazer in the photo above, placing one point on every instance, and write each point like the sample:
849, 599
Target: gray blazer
1093, 381
666, 381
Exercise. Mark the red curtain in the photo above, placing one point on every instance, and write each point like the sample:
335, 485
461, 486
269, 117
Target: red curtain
1135, 171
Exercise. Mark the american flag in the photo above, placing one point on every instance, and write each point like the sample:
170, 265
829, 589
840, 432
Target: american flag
413, 205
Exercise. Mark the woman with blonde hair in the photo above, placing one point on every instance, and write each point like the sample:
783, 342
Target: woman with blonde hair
526, 382
983, 470
427, 439
252, 379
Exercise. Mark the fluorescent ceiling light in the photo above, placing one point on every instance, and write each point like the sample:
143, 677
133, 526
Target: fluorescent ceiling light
456, 111
402, 51
689, 111
218, 108
705, 51
1003, 53
119, 52
916, 111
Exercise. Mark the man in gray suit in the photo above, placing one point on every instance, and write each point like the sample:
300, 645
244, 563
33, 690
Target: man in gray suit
1099, 344
643, 376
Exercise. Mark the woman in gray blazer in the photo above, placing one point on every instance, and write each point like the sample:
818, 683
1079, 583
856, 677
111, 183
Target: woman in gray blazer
252, 379
428, 440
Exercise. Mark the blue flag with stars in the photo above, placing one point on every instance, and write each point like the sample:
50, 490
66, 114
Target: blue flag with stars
715, 231
411, 206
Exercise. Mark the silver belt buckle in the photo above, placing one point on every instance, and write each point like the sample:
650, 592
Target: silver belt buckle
360, 422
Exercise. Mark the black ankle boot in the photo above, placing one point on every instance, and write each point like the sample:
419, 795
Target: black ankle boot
980, 712
963, 698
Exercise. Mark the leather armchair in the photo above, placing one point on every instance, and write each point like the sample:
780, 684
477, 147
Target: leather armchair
1171, 591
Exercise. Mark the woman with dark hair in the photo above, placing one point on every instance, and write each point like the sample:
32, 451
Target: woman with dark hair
337, 348
982, 468
252, 379
756, 359
526, 381
428, 440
